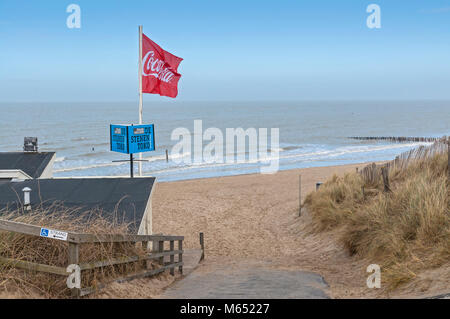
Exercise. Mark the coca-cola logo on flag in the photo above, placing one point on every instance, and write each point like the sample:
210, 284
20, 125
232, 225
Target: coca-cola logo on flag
152, 66
159, 69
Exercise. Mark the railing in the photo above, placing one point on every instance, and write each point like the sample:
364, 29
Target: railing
76, 240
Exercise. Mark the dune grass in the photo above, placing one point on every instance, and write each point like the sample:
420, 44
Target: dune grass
28, 284
404, 231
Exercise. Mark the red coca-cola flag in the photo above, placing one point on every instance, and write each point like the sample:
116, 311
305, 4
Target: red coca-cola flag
159, 69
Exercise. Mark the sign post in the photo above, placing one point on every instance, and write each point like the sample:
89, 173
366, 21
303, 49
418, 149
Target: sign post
130, 139
140, 92
131, 166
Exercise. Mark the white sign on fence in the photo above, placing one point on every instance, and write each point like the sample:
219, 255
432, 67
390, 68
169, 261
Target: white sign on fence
52, 233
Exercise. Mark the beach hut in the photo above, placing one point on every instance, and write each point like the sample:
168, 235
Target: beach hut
127, 200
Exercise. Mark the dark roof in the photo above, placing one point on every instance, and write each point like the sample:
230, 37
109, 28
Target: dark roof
87, 194
33, 164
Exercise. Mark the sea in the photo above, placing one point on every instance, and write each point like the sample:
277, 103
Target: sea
311, 133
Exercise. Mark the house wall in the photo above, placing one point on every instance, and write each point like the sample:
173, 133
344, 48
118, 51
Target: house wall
146, 226
48, 171
8, 174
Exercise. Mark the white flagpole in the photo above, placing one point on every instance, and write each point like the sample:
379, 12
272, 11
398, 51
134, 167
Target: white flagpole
140, 93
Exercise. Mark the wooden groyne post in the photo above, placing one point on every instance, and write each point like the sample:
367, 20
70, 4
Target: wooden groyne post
398, 139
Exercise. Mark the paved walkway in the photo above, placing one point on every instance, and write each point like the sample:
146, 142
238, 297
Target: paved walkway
222, 282
191, 260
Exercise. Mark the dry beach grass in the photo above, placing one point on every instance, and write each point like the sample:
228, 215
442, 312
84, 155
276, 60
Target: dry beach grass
406, 230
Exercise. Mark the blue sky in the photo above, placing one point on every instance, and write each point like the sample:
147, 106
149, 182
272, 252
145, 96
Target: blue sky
232, 50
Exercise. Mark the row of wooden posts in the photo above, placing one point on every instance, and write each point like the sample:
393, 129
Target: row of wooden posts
395, 138
372, 172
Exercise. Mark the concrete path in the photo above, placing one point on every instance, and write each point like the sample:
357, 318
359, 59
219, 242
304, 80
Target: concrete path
219, 282
191, 259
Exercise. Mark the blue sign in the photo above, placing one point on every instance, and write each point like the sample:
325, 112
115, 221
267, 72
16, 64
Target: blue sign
44, 232
141, 138
130, 139
118, 138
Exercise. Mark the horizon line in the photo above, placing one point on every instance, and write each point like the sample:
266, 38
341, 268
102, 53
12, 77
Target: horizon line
239, 100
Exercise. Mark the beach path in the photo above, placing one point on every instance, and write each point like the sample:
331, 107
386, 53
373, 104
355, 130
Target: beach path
191, 260
248, 280
256, 245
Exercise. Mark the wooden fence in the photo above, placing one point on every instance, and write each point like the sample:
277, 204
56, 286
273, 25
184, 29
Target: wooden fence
76, 240
372, 173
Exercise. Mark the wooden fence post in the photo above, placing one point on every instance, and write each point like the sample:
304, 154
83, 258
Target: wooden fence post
145, 248
385, 173
202, 245
74, 259
180, 256
172, 257
155, 247
299, 195
160, 250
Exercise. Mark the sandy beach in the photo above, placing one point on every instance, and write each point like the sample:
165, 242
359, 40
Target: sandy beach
252, 221
241, 216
